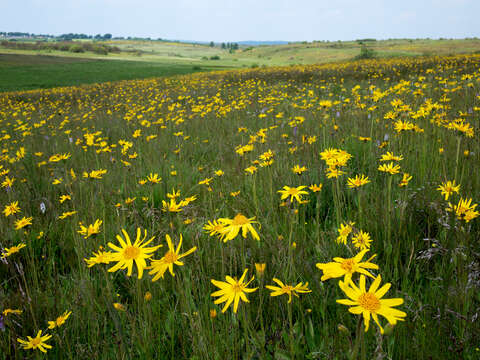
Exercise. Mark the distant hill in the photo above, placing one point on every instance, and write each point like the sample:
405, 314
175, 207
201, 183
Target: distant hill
258, 43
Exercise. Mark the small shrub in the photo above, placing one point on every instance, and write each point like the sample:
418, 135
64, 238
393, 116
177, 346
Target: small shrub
76, 49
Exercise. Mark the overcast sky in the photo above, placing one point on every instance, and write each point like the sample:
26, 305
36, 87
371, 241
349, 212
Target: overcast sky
229, 20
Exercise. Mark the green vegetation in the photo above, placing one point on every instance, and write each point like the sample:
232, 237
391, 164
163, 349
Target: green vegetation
282, 173
25, 72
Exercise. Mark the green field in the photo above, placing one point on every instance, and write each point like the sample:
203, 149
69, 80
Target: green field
299, 212
29, 69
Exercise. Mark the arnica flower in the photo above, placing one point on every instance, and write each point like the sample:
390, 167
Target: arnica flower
464, 210
214, 228
59, 321
232, 291
38, 342
260, 268
171, 258
357, 181
371, 303
11, 209
406, 178
361, 240
23, 222
343, 231
315, 188
390, 157
127, 253
297, 169
390, 168
288, 289
293, 193
448, 188
231, 227
347, 267
12, 250
102, 257
91, 229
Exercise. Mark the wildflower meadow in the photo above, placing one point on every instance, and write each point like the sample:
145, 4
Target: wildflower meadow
301, 212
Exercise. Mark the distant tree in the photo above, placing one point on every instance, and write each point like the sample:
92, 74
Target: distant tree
107, 36
212, 44
223, 46
234, 46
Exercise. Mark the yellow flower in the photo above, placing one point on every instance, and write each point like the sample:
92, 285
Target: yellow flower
357, 181
371, 302
315, 188
362, 240
67, 214
102, 257
119, 307
12, 250
170, 258
214, 228
299, 170
344, 230
148, 296
153, 178
251, 170
59, 321
92, 229
127, 253
20, 224
448, 188
232, 291
288, 289
390, 157
8, 182
231, 227
464, 210
260, 268
406, 178
11, 209
172, 206
11, 311
219, 173
333, 172
347, 267
95, 174
390, 168
174, 194
64, 198
294, 193
38, 342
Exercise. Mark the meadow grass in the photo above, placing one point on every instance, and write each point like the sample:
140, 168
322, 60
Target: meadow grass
104, 144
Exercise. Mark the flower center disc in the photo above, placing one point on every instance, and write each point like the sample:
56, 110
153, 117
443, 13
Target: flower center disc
170, 257
239, 219
369, 302
347, 265
131, 252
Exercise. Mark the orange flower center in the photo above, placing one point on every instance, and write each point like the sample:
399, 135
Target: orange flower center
131, 252
237, 288
240, 219
170, 257
36, 341
369, 302
348, 265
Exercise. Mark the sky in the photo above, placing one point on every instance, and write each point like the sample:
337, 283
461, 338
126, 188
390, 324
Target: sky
240, 20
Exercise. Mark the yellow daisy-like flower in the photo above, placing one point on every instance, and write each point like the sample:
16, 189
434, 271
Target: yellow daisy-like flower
214, 228
315, 188
464, 210
102, 257
362, 240
347, 267
21, 223
12, 250
127, 253
343, 231
297, 169
59, 321
38, 342
390, 157
169, 259
293, 193
231, 227
357, 181
91, 229
11, 209
406, 178
448, 188
370, 303
390, 168
232, 291
288, 289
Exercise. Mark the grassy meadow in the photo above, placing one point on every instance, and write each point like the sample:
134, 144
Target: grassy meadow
26, 69
268, 213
